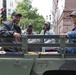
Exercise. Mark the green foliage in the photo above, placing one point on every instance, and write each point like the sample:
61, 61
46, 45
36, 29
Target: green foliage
30, 15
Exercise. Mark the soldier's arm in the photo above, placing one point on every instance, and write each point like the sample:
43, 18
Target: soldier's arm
71, 34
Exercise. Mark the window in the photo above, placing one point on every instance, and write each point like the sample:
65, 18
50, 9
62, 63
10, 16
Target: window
9, 10
11, 4
9, 13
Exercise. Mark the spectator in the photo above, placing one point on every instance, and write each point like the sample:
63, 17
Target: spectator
47, 31
11, 28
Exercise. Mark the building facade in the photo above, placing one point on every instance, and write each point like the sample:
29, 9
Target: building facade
63, 23
10, 5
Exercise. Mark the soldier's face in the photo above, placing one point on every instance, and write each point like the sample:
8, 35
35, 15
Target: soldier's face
46, 26
16, 19
30, 28
74, 19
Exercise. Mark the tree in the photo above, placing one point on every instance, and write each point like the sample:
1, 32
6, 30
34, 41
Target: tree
30, 15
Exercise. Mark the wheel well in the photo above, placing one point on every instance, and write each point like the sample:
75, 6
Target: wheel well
60, 72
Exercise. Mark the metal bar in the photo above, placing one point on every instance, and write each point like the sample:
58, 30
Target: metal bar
41, 36
46, 36
11, 44
43, 45
62, 45
24, 44
70, 44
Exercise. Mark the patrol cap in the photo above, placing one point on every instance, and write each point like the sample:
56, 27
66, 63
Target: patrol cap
47, 23
16, 14
73, 14
29, 25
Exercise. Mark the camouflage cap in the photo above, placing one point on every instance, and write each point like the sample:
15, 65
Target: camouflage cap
73, 14
16, 14
47, 23
29, 25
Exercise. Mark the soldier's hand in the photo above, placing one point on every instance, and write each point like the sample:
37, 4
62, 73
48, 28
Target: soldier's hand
16, 35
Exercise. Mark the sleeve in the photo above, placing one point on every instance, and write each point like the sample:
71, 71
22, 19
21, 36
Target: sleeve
5, 31
71, 34
52, 32
51, 40
42, 32
34, 33
22, 32
34, 40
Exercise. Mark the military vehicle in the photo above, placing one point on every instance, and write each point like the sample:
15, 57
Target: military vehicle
39, 63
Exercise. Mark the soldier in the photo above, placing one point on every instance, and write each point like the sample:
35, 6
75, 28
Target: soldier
47, 31
71, 34
29, 31
11, 28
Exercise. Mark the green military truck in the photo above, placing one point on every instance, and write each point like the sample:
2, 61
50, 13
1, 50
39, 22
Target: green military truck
38, 63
